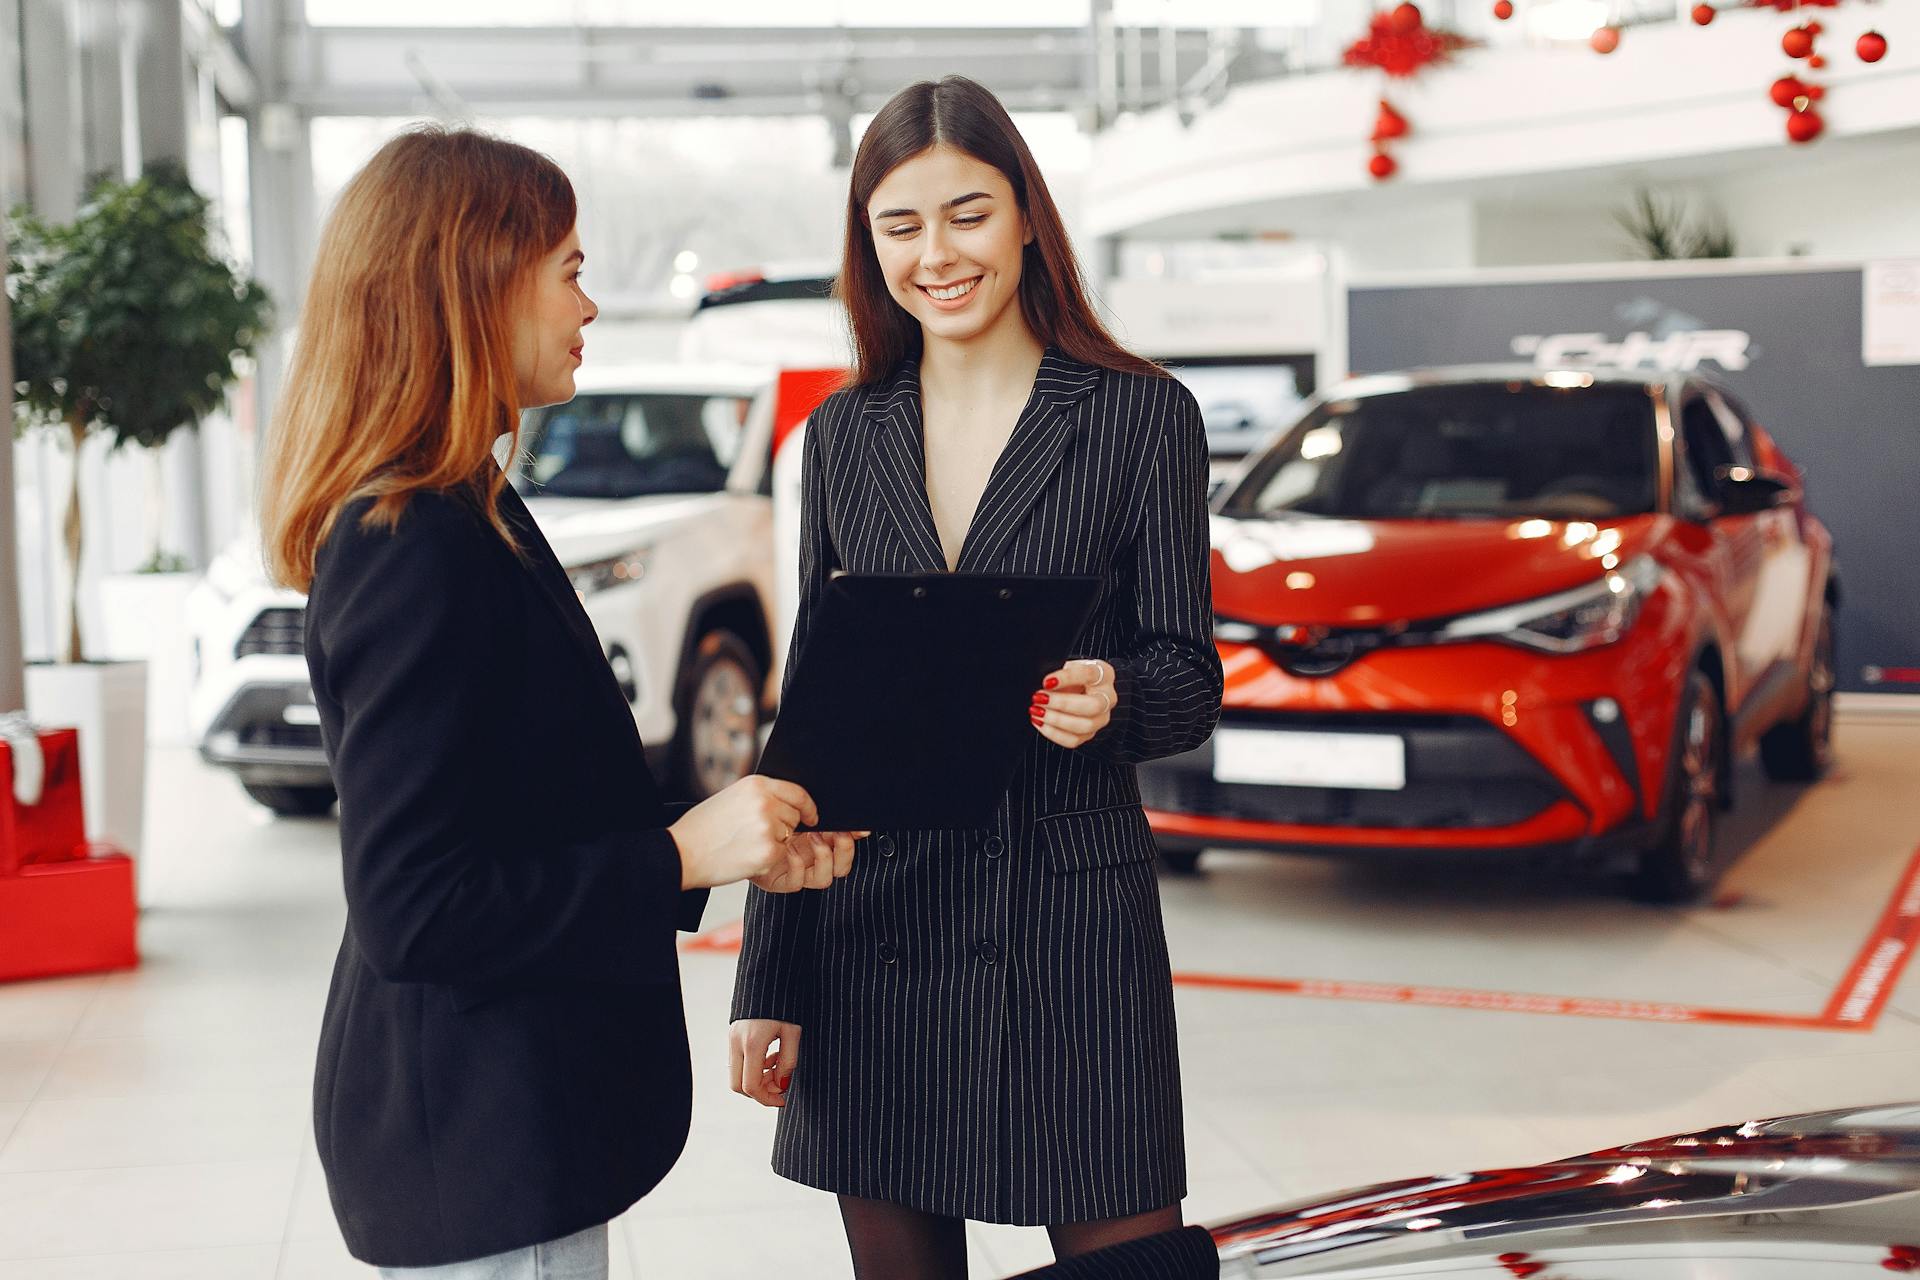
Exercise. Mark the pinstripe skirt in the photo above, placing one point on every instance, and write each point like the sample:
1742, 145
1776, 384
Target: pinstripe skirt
990, 1026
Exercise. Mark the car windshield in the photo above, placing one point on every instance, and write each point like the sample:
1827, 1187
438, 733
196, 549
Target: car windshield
1495, 450
626, 445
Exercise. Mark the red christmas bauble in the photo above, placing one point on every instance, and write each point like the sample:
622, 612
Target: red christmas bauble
1785, 90
1871, 47
1817, 62
1797, 43
1503, 9
1805, 126
1389, 123
1814, 29
1406, 18
1703, 13
1605, 40
1816, 92
1381, 166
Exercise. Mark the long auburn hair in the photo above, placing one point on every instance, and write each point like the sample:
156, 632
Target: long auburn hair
402, 377
963, 114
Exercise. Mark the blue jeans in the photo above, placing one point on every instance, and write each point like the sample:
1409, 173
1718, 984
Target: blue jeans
582, 1256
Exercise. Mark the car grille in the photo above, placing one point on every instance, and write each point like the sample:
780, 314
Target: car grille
1462, 773
293, 736
279, 630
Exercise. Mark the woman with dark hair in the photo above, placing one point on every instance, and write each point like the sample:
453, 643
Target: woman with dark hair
988, 1014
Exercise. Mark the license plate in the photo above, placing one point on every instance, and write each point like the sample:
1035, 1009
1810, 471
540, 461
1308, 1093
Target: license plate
1291, 758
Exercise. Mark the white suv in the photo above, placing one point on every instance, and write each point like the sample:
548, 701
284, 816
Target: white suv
653, 485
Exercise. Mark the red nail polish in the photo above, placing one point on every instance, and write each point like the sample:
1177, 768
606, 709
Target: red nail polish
1053, 682
784, 1082
1040, 699
1035, 716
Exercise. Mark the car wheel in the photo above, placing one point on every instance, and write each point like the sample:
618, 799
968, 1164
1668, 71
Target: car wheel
292, 802
717, 737
1679, 865
1183, 860
1802, 749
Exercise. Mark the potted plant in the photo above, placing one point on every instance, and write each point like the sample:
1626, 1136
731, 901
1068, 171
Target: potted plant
125, 321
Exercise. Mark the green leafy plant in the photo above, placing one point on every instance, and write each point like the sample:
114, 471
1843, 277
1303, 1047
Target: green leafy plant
1661, 229
125, 320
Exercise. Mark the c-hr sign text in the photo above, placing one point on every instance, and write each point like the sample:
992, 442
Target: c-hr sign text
1683, 350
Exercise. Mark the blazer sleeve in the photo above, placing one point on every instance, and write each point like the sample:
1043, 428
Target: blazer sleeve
404, 620
1168, 681
774, 979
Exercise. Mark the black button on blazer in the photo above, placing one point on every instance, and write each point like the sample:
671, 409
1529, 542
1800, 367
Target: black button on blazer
503, 1059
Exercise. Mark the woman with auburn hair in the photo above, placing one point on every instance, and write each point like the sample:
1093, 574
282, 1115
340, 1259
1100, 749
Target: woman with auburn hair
503, 1061
979, 1024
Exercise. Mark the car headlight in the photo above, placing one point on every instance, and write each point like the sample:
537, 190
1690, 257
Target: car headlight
1567, 621
591, 579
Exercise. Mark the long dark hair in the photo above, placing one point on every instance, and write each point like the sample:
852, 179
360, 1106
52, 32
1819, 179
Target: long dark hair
964, 115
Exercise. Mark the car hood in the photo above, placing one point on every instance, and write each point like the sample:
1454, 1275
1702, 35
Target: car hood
585, 530
1841, 1183
1365, 573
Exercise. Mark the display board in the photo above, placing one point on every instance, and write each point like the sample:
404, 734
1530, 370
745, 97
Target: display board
1787, 340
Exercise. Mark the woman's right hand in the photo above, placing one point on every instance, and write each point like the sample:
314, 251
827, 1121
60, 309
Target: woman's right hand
759, 1071
744, 832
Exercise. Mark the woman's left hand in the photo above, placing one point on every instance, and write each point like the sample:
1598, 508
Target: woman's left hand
1075, 702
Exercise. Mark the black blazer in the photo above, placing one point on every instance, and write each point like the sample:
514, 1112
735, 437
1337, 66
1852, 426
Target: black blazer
503, 1059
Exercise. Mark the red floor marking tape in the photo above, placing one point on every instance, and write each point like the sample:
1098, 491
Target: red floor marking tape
1500, 1001
724, 939
1856, 1005
1869, 984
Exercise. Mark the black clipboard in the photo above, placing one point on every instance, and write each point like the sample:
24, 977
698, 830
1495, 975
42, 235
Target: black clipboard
908, 706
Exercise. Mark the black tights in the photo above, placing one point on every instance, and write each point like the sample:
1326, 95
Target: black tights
892, 1242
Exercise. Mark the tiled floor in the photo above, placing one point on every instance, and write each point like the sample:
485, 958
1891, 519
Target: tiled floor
153, 1124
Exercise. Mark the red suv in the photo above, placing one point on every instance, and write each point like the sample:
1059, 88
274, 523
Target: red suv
1514, 612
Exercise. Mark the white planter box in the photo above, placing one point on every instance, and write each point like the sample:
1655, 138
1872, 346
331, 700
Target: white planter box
107, 703
145, 619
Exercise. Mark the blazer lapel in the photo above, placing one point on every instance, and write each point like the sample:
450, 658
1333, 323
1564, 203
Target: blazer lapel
1031, 457
897, 465
548, 573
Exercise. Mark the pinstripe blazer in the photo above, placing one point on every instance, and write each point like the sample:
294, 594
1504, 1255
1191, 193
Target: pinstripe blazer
988, 1014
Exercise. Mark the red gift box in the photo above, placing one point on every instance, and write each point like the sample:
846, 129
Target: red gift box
68, 917
53, 830
66, 906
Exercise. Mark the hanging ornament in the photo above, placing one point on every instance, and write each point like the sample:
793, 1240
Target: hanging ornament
1605, 40
1797, 43
1785, 90
1871, 47
1816, 92
1503, 9
1403, 52
1817, 62
1703, 14
1399, 43
1389, 123
1805, 126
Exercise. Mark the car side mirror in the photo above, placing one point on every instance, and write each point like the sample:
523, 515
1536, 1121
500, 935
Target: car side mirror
1742, 491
